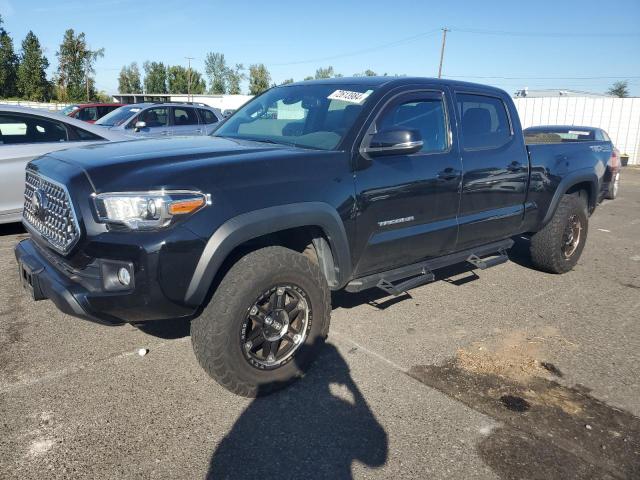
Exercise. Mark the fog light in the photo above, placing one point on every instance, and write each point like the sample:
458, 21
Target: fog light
124, 277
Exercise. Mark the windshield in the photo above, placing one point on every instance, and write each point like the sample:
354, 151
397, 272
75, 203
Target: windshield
69, 109
311, 116
118, 116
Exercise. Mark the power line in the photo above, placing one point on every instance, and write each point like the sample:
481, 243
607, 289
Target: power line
360, 52
541, 34
616, 77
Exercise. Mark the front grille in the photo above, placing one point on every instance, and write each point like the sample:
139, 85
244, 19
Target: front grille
48, 210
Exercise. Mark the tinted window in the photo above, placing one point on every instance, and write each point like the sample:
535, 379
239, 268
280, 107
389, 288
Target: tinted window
118, 116
184, 116
207, 116
427, 116
155, 117
28, 129
82, 135
485, 123
88, 113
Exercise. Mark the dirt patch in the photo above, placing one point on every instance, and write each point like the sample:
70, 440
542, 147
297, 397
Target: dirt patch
549, 431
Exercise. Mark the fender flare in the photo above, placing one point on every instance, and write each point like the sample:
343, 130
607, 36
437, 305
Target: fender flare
573, 178
254, 224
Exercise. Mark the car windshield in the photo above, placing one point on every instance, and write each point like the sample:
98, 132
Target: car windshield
311, 116
69, 109
118, 116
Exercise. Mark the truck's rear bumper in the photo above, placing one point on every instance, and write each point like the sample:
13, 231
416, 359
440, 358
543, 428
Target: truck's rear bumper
42, 280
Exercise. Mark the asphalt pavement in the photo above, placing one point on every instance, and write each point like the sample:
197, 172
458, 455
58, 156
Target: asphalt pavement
497, 374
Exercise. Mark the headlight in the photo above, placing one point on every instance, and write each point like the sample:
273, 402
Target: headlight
148, 210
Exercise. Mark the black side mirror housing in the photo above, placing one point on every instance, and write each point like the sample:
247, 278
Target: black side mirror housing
394, 141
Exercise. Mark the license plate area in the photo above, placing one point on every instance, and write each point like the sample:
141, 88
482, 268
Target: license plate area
29, 279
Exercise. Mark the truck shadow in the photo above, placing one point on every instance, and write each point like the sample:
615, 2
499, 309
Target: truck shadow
315, 428
7, 229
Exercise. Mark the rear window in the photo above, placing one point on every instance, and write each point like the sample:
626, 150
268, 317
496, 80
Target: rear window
485, 123
207, 116
560, 135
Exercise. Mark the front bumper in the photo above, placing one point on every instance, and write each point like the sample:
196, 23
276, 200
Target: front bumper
43, 279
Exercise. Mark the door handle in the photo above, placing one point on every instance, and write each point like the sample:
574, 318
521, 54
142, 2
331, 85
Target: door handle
164, 133
448, 174
198, 130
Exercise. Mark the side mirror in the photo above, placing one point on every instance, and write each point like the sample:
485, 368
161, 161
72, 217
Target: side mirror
394, 141
139, 126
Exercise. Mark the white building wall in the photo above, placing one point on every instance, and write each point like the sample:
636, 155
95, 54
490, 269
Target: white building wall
619, 117
46, 106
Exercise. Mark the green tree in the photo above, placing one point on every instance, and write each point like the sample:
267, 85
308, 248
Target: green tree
366, 73
8, 64
215, 66
135, 82
308, 78
619, 89
326, 73
259, 79
75, 68
234, 77
287, 81
183, 80
124, 85
32, 76
155, 77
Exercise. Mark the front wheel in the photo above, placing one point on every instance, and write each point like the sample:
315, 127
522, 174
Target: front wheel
558, 246
265, 323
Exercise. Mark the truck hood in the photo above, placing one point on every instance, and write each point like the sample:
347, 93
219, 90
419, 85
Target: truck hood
160, 163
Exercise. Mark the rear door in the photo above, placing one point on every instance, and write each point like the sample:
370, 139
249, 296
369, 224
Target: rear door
496, 169
408, 204
23, 138
185, 121
209, 120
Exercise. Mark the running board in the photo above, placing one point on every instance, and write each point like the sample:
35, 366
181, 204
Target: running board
417, 274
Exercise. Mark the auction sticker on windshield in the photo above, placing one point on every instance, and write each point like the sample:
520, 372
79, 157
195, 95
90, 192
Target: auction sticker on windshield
349, 96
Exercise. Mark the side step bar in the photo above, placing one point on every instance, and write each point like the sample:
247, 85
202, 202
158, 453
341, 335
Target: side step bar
420, 273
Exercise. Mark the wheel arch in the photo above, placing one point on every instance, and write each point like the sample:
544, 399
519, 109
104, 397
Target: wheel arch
319, 220
581, 180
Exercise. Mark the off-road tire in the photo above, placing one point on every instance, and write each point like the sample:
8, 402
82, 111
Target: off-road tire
215, 334
546, 244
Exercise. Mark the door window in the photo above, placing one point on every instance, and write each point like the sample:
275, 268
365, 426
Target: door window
485, 123
88, 114
155, 117
27, 129
184, 116
424, 115
208, 117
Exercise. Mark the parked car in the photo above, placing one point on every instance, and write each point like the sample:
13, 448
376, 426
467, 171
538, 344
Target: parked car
572, 134
310, 187
163, 119
27, 133
90, 112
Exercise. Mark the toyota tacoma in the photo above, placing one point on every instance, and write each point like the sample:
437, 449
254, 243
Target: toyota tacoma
308, 188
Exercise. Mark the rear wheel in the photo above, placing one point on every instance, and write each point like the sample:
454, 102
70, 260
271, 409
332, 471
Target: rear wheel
265, 323
558, 246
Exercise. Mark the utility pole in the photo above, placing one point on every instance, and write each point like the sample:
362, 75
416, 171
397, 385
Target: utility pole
189, 78
444, 42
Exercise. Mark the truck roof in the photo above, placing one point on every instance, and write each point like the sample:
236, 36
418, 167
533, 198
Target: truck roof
396, 82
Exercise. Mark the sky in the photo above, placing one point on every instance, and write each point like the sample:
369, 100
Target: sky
581, 45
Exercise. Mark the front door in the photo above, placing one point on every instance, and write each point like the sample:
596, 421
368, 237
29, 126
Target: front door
156, 120
408, 204
496, 170
185, 122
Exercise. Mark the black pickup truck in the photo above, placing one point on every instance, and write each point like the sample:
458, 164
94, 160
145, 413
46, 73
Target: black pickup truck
310, 187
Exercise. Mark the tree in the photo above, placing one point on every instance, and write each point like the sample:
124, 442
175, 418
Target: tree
155, 77
129, 79
259, 79
325, 73
308, 78
234, 77
215, 66
619, 89
366, 73
8, 64
76, 67
287, 81
32, 76
184, 80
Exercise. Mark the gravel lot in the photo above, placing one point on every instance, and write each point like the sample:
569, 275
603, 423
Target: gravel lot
505, 373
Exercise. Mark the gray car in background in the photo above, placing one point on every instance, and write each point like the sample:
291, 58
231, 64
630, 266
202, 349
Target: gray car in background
163, 119
27, 133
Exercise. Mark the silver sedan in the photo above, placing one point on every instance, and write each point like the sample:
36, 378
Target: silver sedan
27, 133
